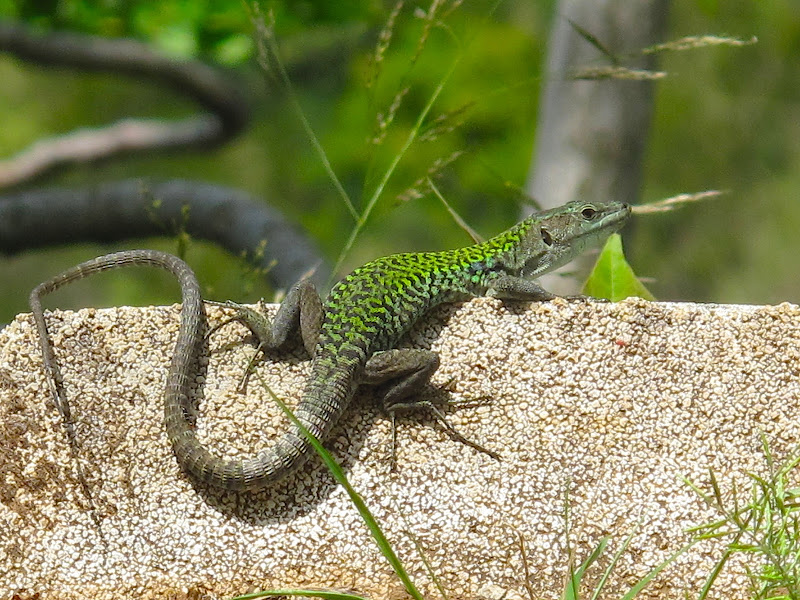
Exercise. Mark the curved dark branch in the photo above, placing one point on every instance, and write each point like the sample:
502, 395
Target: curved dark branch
239, 222
227, 111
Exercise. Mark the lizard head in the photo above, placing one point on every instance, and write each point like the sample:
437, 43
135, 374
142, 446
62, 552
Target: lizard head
556, 236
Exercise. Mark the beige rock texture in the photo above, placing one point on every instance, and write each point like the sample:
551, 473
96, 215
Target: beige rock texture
615, 403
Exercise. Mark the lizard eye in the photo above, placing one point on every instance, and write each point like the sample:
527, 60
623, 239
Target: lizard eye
546, 237
589, 213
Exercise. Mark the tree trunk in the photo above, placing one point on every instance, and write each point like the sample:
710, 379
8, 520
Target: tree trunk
592, 134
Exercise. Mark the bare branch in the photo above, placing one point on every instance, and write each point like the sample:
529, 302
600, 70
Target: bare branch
226, 114
240, 223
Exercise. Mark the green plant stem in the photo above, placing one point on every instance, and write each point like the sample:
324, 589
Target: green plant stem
270, 51
355, 497
362, 219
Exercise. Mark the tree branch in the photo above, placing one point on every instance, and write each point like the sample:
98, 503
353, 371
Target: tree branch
226, 114
108, 212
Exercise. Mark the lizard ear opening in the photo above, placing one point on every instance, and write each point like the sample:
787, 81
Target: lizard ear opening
546, 237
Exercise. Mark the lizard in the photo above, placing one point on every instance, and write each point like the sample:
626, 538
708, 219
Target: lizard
351, 336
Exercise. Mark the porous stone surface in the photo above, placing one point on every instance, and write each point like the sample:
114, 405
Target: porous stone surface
602, 408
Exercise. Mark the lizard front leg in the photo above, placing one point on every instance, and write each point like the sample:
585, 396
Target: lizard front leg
509, 287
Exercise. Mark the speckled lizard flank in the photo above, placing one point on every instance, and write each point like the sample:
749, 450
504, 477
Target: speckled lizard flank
352, 335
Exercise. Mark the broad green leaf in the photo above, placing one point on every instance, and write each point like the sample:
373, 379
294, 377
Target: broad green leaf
612, 277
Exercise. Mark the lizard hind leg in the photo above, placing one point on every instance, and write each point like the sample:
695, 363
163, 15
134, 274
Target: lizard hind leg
401, 373
301, 311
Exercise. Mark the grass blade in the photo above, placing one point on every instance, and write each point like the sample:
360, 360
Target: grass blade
355, 497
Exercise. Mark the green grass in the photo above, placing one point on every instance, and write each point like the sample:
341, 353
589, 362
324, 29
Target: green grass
761, 523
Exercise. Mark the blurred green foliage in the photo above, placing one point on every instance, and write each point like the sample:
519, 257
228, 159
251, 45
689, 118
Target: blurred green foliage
216, 30
725, 118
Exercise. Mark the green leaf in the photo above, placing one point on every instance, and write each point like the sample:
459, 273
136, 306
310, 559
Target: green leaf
178, 40
612, 277
573, 583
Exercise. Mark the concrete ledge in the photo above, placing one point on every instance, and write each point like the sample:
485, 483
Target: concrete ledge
618, 401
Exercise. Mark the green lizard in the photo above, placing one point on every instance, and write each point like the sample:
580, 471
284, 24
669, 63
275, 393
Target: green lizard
351, 337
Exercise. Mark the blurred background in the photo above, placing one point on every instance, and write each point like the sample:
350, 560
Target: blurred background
724, 118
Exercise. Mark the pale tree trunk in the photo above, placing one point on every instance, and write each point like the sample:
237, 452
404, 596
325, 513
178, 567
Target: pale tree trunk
592, 134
